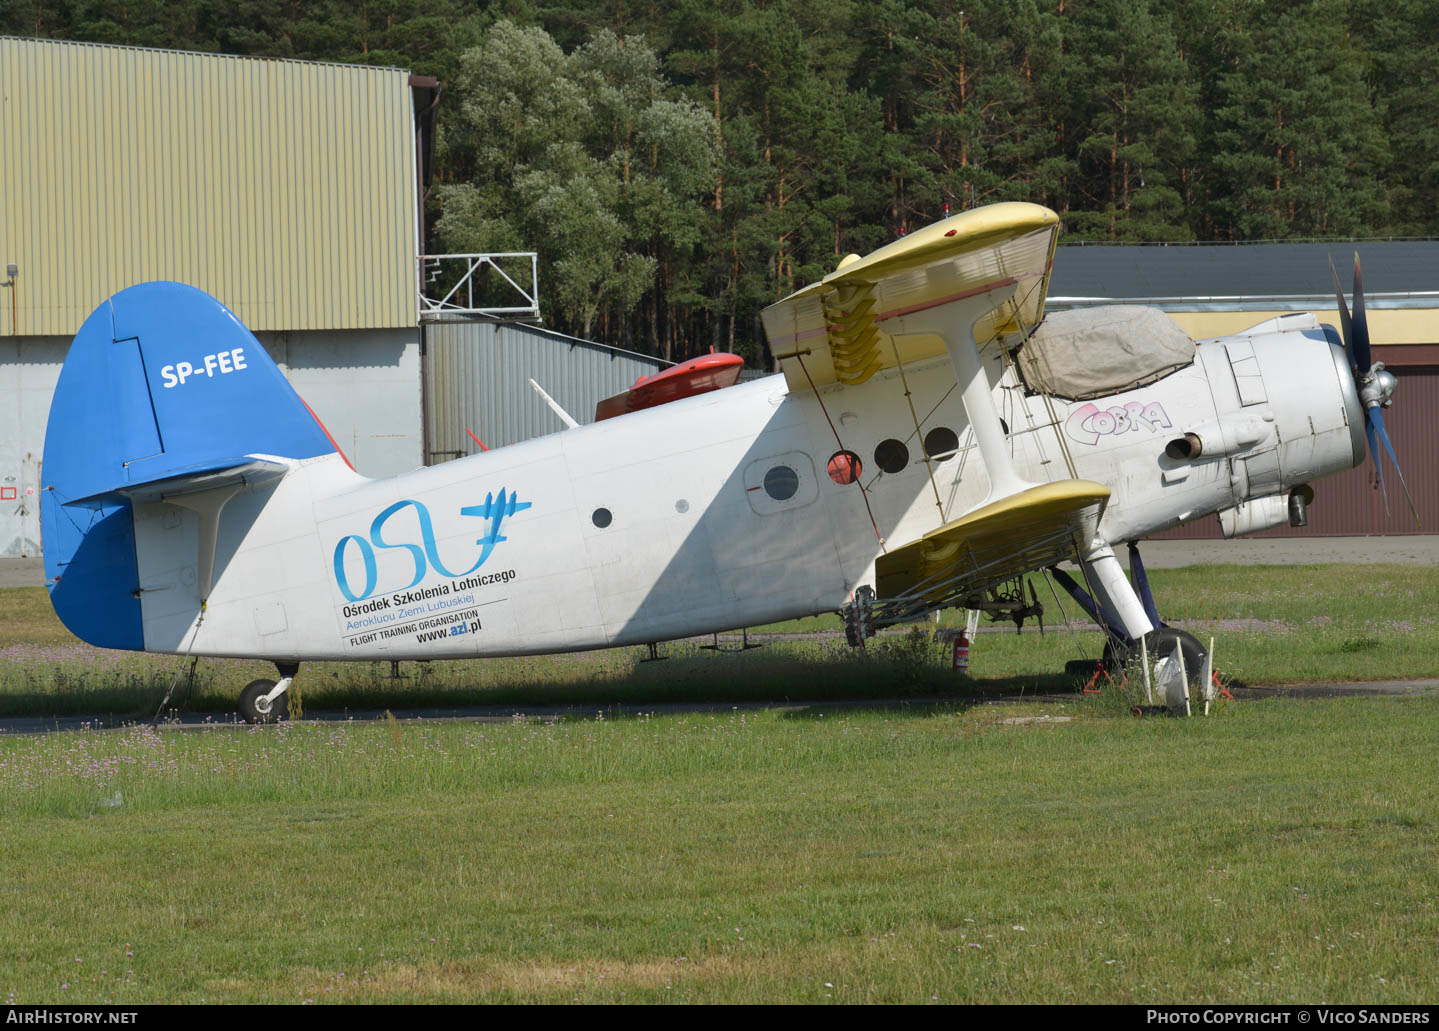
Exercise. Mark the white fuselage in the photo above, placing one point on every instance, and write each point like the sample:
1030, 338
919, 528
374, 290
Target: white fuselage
714, 512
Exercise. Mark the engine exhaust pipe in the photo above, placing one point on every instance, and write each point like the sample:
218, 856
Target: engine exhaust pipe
1185, 447
1299, 499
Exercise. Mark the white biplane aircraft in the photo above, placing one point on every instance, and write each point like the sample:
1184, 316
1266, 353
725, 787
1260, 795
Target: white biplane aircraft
932, 438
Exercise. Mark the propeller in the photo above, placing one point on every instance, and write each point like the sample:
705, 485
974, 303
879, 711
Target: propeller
1376, 386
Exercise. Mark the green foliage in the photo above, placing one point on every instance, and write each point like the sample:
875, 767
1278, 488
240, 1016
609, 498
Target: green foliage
680, 164
1139, 106
580, 156
1299, 150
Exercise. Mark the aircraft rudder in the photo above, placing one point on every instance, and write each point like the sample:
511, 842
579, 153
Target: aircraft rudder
160, 381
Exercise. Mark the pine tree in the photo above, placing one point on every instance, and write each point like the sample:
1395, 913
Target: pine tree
1132, 92
1299, 147
1401, 39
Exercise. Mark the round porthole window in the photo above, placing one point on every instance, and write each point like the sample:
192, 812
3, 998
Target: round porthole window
941, 443
781, 482
602, 517
844, 467
891, 455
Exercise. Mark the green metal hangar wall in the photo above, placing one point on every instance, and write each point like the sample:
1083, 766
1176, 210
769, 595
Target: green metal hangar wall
1214, 290
286, 189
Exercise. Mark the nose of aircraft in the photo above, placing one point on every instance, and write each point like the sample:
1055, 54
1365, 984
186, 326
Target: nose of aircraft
1313, 403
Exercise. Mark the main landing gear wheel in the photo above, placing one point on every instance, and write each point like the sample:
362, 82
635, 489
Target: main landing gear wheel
255, 709
1165, 645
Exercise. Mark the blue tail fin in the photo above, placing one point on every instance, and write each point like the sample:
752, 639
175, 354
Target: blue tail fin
161, 383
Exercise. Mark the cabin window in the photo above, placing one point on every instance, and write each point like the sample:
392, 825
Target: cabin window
941, 443
891, 455
844, 467
781, 482
602, 518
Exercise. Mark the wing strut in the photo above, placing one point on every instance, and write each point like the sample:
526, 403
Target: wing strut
954, 323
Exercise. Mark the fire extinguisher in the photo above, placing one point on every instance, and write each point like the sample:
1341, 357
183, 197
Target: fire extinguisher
960, 662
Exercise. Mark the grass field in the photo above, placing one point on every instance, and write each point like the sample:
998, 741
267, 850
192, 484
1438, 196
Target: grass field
1282, 851
1272, 624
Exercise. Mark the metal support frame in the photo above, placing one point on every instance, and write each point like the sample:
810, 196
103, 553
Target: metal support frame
744, 643
476, 273
1141, 584
1095, 611
966, 579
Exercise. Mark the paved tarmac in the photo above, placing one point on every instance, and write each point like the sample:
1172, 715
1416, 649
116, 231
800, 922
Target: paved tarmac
1411, 549
1415, 549
22, 572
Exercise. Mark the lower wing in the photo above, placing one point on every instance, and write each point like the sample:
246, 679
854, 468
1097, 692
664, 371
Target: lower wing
1029, 530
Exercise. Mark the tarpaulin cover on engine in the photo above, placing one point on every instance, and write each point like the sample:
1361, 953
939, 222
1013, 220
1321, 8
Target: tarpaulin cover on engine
1089, 352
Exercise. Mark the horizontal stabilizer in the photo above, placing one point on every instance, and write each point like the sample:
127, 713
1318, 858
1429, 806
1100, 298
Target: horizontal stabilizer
1029, 530
204, 476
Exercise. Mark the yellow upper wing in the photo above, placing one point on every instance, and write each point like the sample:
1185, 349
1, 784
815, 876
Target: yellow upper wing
836, 326
1028, 530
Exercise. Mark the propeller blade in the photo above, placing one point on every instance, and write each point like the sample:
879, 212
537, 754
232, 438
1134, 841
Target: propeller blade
1374, 454
1344, 323
1376, 419
1360, 323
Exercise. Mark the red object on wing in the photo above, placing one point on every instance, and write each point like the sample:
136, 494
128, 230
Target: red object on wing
696, 376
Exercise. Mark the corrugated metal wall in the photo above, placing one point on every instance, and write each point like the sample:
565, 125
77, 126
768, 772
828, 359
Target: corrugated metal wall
477, 377
1350, 504
284, 188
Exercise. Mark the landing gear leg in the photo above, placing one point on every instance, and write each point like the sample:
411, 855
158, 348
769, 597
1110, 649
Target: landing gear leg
1162, 644
1174, 655
266, 701
859, 617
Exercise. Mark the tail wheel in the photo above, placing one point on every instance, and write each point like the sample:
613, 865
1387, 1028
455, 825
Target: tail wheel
255, 709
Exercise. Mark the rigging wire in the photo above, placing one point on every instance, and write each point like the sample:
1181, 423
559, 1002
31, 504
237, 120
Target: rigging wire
919, 433
194, 661
857, 480
1027, 332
